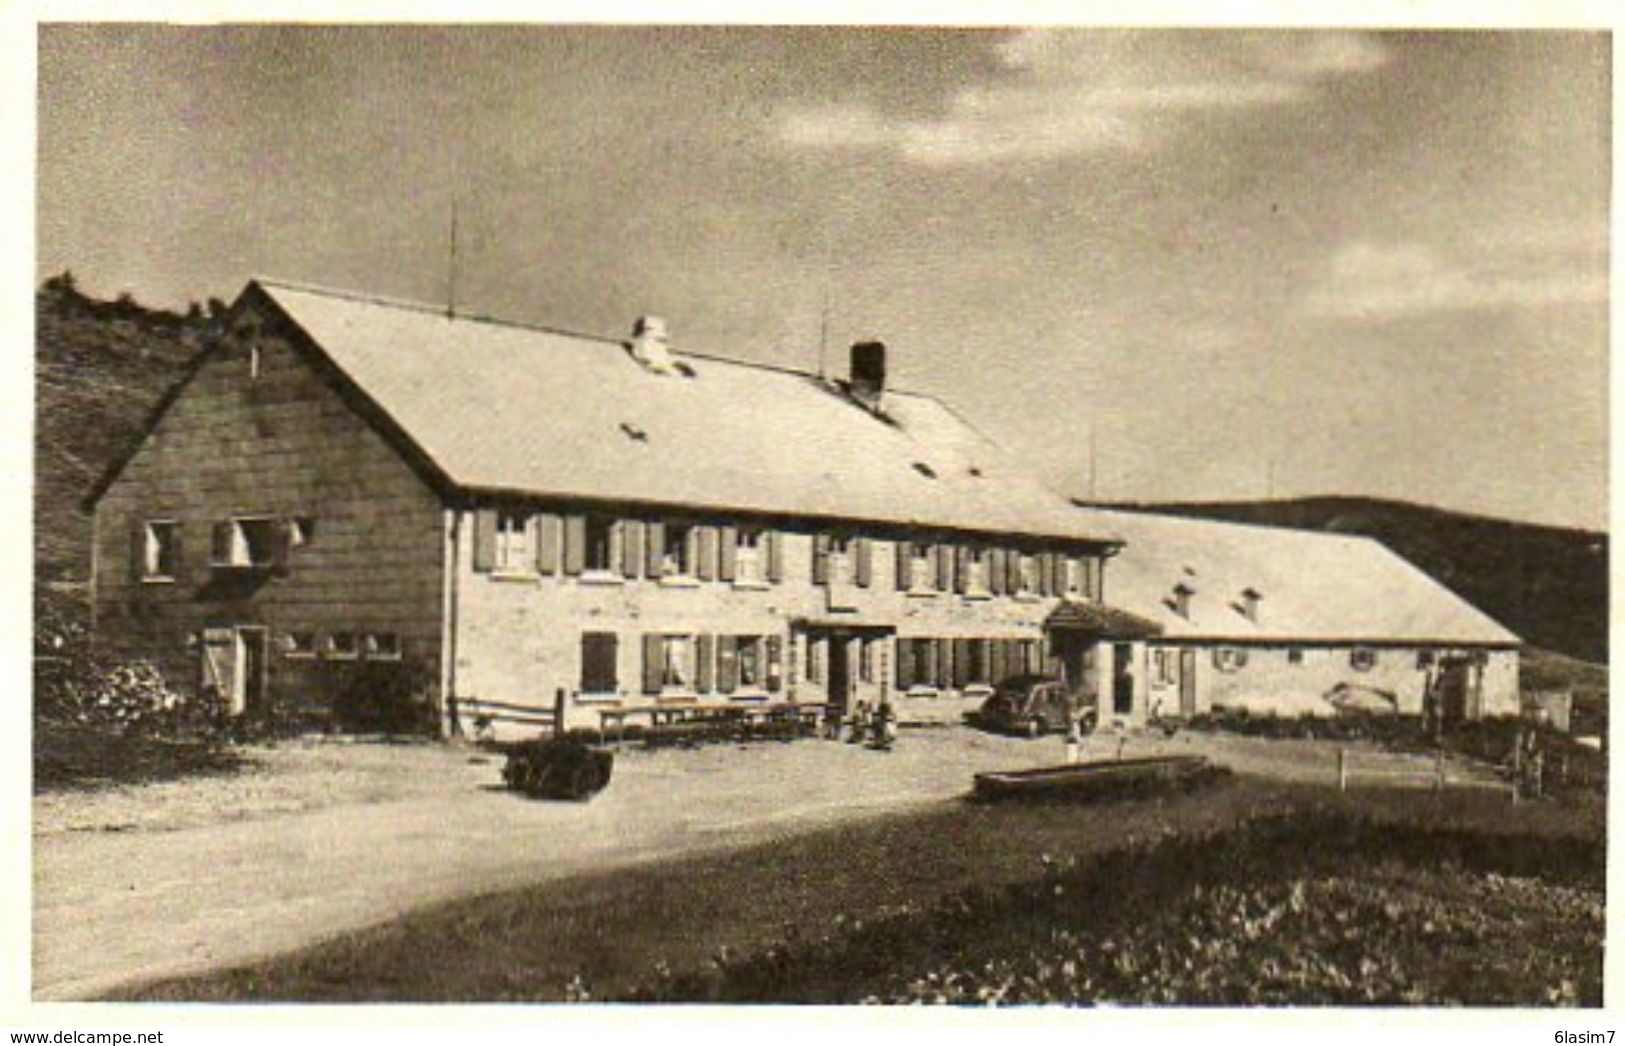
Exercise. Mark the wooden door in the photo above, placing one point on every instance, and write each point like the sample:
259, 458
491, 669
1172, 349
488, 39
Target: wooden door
840, 670
1122, 679
252, 664
1453, 690
1187, 683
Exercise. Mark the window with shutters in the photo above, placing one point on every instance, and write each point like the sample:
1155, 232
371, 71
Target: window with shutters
977, 669
602, 545
513, 544
977, 566
1072, 576
244, 542
1164, 664
839, 553
750, 556
1026, 573
751, 655
922, 567
160, 558
598, 663
677, 662
676, 555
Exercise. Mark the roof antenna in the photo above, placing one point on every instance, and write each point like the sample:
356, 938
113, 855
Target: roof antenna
451, 267
1092, 461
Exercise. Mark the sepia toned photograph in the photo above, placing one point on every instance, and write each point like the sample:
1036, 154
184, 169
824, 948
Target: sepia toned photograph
1023, 516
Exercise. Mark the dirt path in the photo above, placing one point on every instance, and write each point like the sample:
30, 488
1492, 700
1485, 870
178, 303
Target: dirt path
120, 907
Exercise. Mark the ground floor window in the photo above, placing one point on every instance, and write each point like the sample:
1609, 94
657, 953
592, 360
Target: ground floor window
340, 646
1229, 658
1164, 667
1294, 655
599, 651
1362, 659
382, 646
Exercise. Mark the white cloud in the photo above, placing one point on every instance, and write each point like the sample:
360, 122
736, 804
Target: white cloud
1069, 92
1368, 280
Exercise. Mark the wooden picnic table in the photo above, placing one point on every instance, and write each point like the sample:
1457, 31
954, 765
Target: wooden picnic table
668, 715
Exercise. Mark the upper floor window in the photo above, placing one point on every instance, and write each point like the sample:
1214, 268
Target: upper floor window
246, 541
160, 553
977, 561
750, 554
1071, 576
1362, 659
1229, 658
676, 557
382, 646
1026, 572
513, 554
922, 567
601, 544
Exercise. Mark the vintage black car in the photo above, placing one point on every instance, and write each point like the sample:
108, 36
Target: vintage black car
1036, 704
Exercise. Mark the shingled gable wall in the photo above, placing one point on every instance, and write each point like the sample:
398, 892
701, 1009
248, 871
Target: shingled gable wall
283, 444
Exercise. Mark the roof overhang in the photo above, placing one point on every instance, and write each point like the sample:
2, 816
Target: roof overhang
1100, 619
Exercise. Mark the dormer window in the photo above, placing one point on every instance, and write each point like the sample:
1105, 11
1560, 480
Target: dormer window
1249, 603
1182, 600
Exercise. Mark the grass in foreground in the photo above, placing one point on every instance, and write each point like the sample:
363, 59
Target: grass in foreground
686, 923
71, 756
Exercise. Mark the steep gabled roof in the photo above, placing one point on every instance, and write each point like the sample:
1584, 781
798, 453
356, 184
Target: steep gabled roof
503, 407
1311, 587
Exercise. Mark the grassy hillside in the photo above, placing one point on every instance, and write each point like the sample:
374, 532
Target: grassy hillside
99, 369
1548, 584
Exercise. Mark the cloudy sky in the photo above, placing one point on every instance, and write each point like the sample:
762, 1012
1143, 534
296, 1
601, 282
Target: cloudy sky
1304, 262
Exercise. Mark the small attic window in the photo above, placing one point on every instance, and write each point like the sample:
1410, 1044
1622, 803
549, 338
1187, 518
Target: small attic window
1248, 605
975, 471
925, 470
633, 433
253, 362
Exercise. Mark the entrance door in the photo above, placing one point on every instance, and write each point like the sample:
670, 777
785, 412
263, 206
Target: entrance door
1122, 679
1453, 689
840, 670
1187, 683
252, 650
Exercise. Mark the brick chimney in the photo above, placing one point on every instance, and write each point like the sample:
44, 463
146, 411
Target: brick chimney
868, 375
650, 345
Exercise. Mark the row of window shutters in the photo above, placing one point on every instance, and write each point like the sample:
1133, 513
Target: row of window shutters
711, 552
725, 663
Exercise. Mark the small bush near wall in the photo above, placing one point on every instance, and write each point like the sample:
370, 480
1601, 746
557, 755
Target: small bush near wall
385, 697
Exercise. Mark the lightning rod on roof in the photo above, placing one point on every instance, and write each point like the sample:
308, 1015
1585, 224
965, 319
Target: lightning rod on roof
451, 266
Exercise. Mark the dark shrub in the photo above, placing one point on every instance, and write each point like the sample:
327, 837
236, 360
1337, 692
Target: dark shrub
386, 697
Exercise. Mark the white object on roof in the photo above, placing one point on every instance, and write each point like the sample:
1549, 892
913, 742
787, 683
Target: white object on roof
504, 407
1319, 587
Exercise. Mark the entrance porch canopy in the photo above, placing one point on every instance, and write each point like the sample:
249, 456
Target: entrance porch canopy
1100, 619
